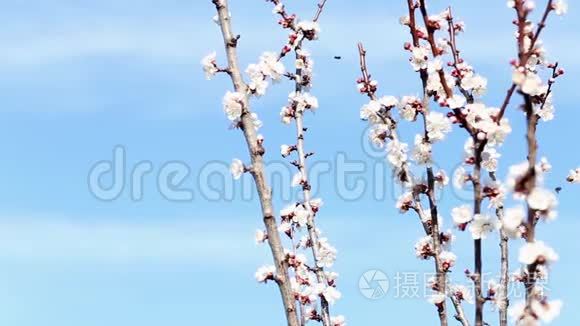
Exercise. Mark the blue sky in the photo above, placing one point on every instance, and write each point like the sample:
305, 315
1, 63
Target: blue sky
79, 78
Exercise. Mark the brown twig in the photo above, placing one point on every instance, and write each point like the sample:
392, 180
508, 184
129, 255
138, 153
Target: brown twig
506, 102
319, 11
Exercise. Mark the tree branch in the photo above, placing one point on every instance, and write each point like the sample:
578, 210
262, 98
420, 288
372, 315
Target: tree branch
264, 191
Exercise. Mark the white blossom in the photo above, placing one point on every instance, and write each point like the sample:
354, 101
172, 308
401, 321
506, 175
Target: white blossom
574, 176
474, 82
271, 66
496, 134
437, 126
389, 101
419, 58
286, 115
489, 159
456, 101
256, 122
285, 150
545, 165
327, 253
499, 191
482, 118
434, 84
337, 321
468, 148
447, 260
481, 226
237, 168
462, 215
285, 227
495, 290
515, 173
265, 273
371, 111
404, 202
379, 133
397, 153
233, 104
309, 28
408, 107
297, 179
261, 236
301, 215
330, 293
462, 293
512, 221
460, 177
544, 201
537, 252
278, 8
424, 248
519, 315
546, 110
529, 5
530, 83
288, 210
303, 101
547, 311
316, 203
258, 86
209, 65
422, 151
437, 298
441, 179
560, 7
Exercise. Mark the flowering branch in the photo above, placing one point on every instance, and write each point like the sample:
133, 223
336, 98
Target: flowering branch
378, 113
301, 101
479, 144
304, 212
486, 128
447, 93
540, 202
237, 107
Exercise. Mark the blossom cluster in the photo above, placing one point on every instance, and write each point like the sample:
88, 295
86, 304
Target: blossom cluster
313, 286
459, 89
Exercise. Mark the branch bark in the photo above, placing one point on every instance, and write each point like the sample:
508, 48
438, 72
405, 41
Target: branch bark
255, 151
